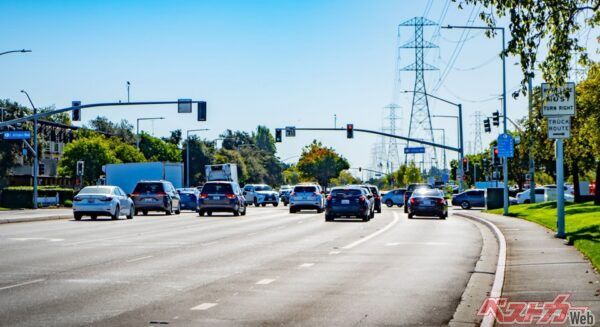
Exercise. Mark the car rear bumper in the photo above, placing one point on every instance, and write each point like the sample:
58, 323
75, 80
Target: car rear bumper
347, 210
150, 206
427, 211
96, 209
305, 206
218, 207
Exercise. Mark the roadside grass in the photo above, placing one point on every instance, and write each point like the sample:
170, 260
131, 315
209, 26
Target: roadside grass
4, 209
582, 223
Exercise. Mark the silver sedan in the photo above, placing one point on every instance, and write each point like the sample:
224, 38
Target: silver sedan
97, 201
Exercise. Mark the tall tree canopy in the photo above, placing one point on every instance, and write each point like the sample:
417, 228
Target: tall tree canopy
321, 163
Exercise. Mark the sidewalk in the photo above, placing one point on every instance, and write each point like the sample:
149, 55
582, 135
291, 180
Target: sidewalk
539, 266
18, 216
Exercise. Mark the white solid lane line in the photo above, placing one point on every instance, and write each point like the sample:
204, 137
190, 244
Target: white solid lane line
306, 265
388, 226
334, 252
265, 281
22, 284
141, 258
204, 306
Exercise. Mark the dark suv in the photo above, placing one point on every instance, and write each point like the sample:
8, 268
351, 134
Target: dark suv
155, 196
410, 189
221, 196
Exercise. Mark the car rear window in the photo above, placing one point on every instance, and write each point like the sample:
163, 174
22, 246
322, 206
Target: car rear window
373, 189
148, 188
345, 192
96, 190
263, 188
305, 189
427, 192
411, 188
217, 188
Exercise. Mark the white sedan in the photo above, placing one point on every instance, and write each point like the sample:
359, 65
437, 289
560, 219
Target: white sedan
97, 201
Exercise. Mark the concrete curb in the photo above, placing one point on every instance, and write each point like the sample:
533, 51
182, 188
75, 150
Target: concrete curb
489, 321
31, 219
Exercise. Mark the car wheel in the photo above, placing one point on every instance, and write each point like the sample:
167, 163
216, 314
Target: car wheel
94, 217
465, 205
169, 210
319, 210
328, 217
244, 212
410, 216
201, 213
389, 203
209, 213
443, 216
365, 217
379, 210
236, 212
275, 204
527, 201
405, 209
178, 211
285, 203
117, 213
145, 212
372, 214
263, 204
292, 210
131, 212
77, 216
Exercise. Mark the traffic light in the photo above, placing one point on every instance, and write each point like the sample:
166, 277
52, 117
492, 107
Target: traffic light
486, 164
465, 164
495, 157
496, 118
350, 131
76, 113
278, 135
201, 111
79, 169
359, 168
486, 125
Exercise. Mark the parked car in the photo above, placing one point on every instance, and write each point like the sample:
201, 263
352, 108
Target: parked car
427, 202
260, 194
470, 198
410, 189
541, 194
284, 194
306, 196
221, 196
394, 197
97, 201
348, 201
157, 195
376, 197
189, 198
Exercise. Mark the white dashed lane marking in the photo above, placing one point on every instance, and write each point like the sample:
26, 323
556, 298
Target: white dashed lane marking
265, 281
306, 265
140, 258
204, 306
21, 284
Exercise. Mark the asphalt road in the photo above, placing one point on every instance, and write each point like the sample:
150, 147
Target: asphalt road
267, 268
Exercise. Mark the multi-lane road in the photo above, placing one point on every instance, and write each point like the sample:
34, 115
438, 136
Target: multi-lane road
267, 268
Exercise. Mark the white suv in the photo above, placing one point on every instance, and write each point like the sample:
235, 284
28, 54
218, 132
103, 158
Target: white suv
260, 194
307, 196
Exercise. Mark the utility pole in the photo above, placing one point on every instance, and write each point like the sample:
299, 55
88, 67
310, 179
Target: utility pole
35, 153
531, 158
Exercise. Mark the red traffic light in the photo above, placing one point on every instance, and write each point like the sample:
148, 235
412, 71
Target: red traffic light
495, 151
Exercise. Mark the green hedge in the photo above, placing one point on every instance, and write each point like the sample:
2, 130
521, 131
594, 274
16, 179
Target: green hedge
22, 196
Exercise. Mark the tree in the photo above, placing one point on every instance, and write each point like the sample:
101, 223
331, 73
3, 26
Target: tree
174, 138
61, 118
9, 149
234, 140
155, 149
125, 152
345, 178
202, 153
264, 139
534, 21
321, 163
94, 152
123, 129
291, 175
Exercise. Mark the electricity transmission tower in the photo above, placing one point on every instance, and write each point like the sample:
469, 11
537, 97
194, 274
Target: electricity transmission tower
477, 121
393, 156
420, 117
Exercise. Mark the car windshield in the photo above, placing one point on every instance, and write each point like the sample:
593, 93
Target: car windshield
148, 188
186, 190
342, 193
217, 188
263, 188
95, 190
305, 189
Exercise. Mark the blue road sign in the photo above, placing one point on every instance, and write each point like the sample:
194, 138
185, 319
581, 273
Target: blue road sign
506, 146
445, 178
17, 135
418, 149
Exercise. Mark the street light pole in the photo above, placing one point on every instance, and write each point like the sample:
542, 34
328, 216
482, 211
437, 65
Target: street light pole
505, 161
35, 153
128, 85
13, 51
187, 154
137, 129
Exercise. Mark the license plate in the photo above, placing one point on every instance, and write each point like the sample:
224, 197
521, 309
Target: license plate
90, 201
345, 201
148, 200
216, 197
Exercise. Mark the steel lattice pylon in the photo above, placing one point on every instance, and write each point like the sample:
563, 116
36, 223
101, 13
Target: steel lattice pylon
420, 116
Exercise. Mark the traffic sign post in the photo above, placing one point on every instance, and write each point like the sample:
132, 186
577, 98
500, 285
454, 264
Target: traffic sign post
506, 146
558, 107
17, 135
290, 131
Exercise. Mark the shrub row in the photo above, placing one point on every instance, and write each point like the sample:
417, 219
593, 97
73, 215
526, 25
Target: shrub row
22, 196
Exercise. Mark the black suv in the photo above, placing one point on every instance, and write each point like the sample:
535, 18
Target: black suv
155, 196
221, 196
410, 189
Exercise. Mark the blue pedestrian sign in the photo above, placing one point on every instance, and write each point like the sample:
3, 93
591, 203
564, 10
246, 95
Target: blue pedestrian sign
17, 135
506, 146
418, 149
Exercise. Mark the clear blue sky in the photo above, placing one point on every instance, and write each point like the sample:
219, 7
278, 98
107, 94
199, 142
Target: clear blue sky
275, 63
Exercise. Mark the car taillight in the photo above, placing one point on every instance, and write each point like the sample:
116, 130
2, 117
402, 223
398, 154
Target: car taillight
161, 193
329, 198
414, 201
315, 193
439, 201
293, 194
362, 198
106, 199
230, 196
203, 195
135, 193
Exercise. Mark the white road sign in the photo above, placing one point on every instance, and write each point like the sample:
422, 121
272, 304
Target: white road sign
557, 102
559, 127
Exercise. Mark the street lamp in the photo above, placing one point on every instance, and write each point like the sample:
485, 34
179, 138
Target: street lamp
505, 161
128, 85
13, 51
35, 152
460, 133
137, 130
187, 154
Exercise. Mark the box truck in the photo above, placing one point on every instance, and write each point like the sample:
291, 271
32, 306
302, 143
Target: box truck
127, 175
222, 172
